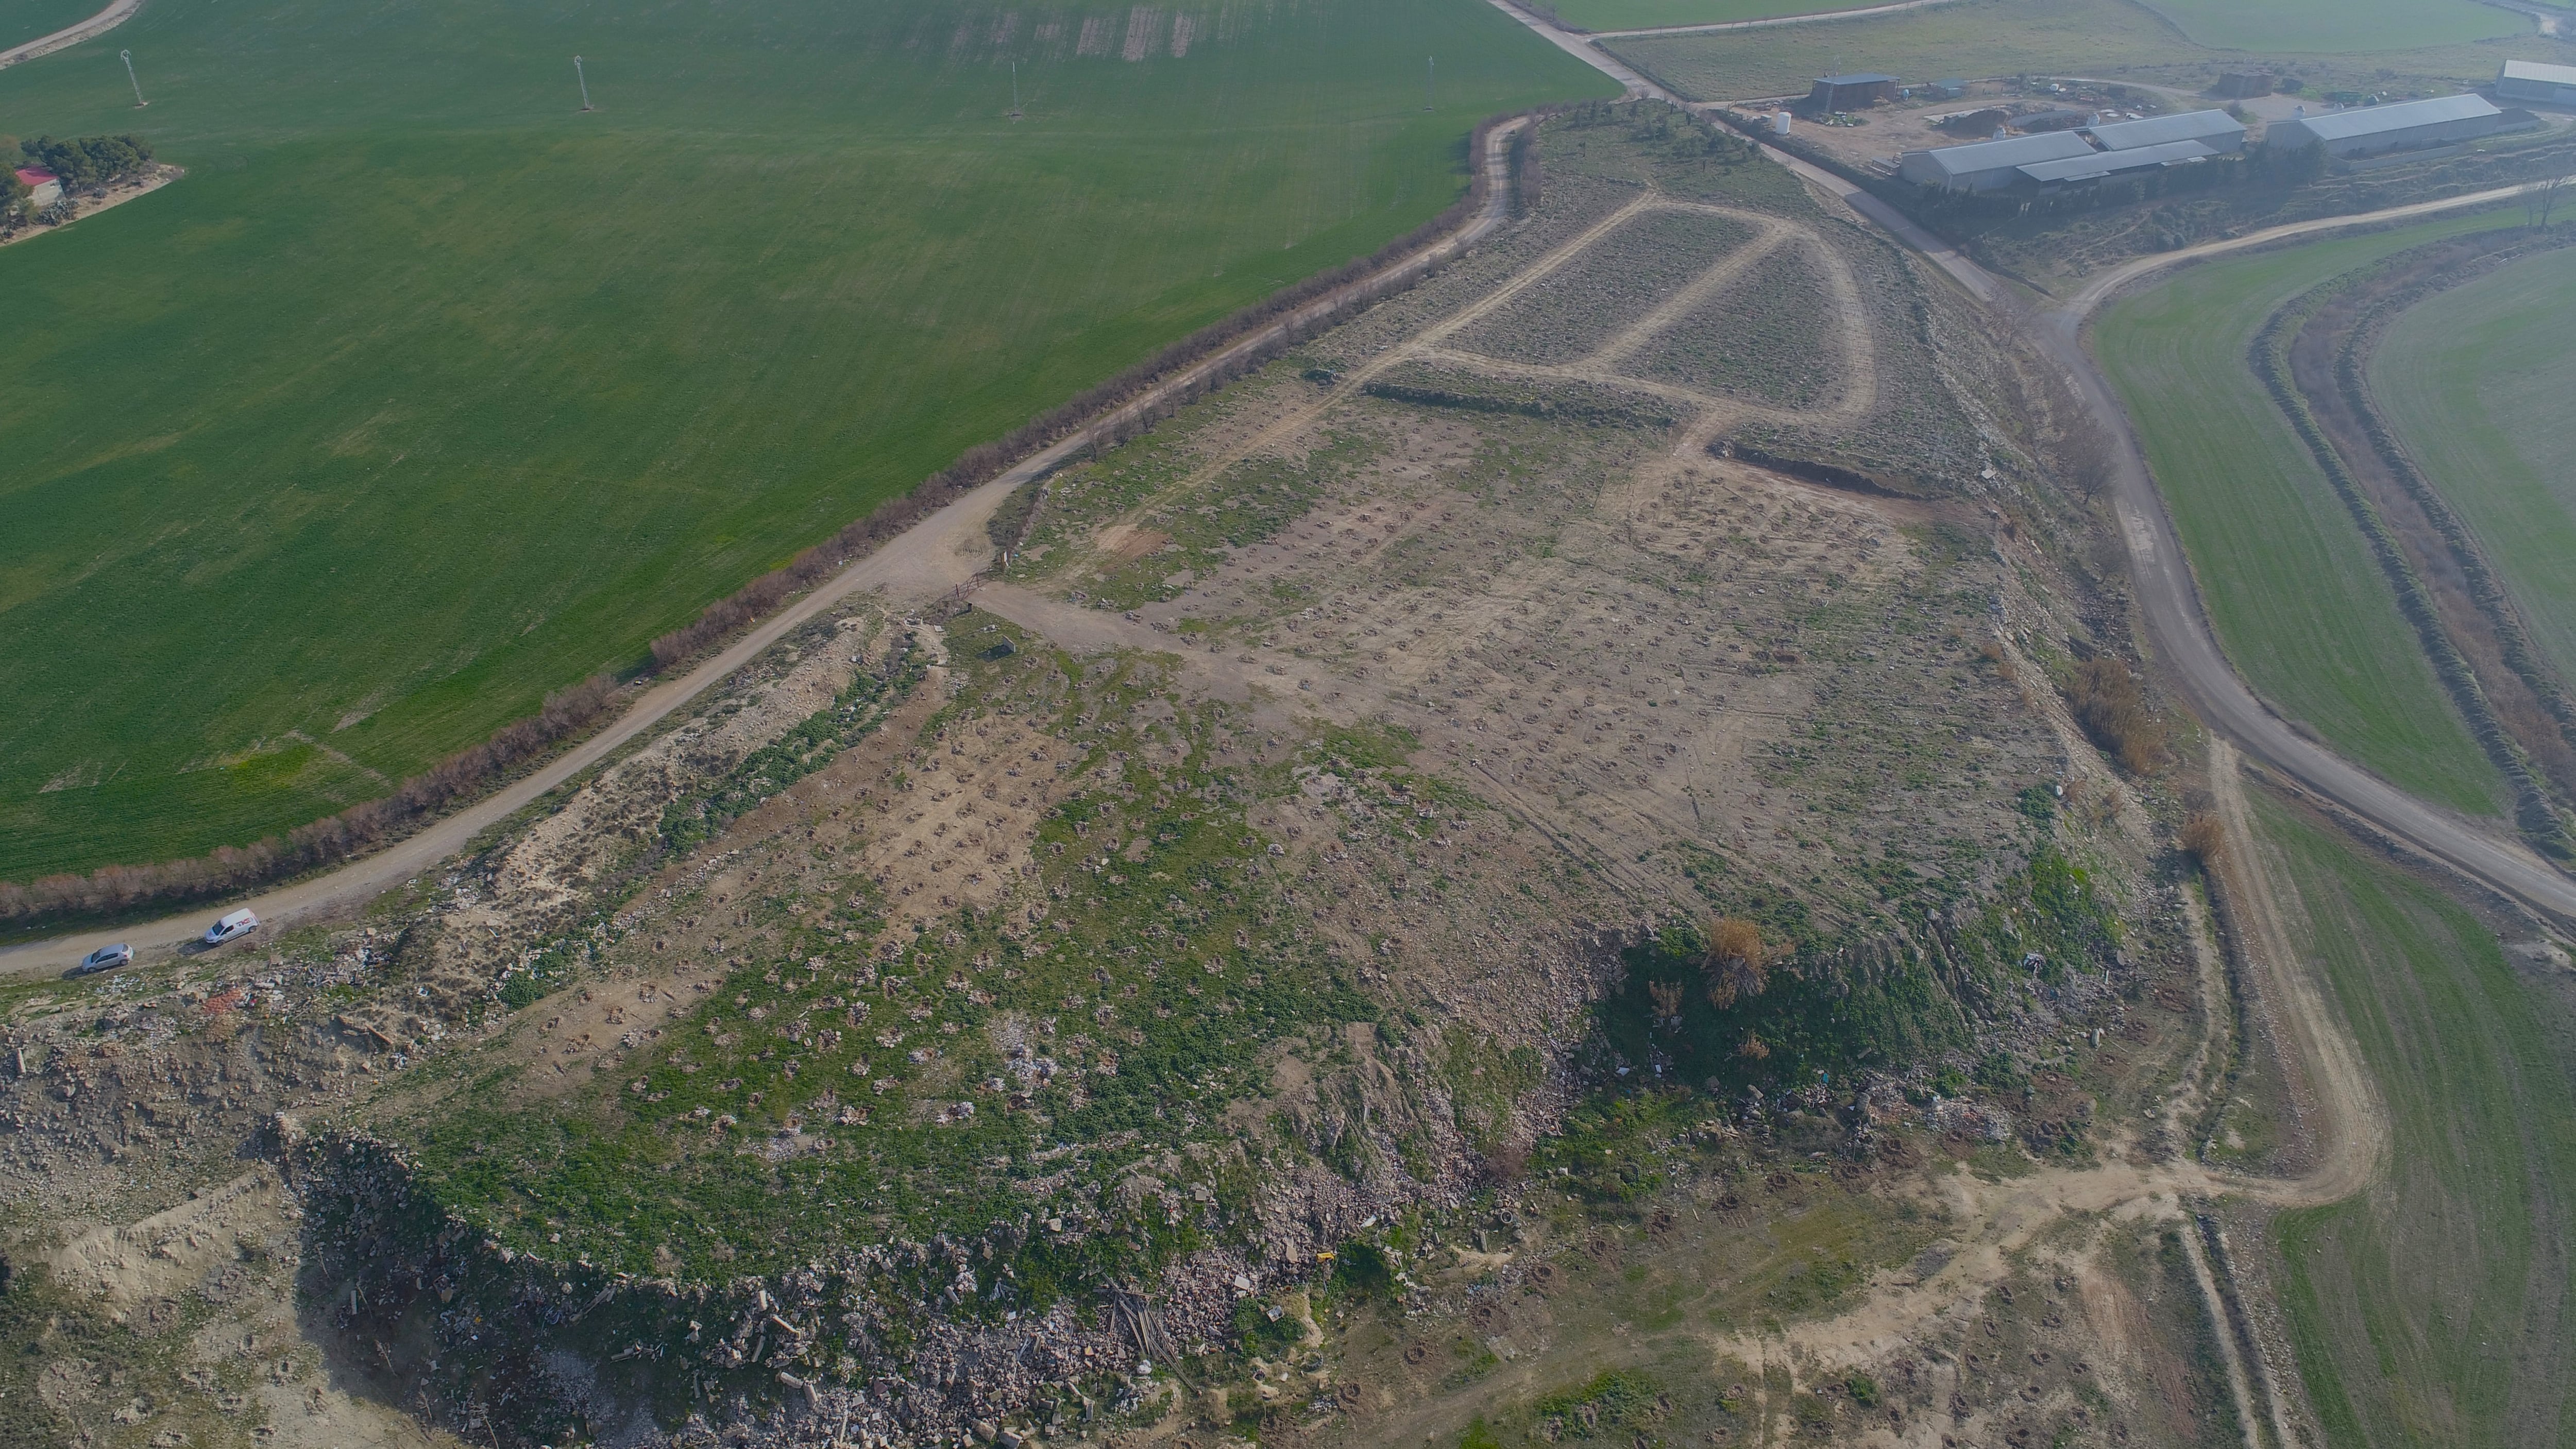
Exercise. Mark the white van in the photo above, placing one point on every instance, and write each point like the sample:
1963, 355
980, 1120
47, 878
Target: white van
231, 928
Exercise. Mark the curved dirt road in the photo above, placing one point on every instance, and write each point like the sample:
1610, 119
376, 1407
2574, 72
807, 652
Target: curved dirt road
944, 552
114, 15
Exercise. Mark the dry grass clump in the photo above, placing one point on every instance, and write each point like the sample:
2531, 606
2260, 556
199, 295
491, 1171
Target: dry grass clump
1736, 961
2113, 710
2204, 839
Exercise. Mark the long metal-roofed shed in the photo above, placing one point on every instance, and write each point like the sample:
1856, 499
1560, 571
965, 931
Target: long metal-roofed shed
2404, 125
2217, 130
2537, 82
2100, 164
1987, 165
1850, 92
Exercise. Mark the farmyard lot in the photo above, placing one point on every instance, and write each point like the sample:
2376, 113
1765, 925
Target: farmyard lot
425, 393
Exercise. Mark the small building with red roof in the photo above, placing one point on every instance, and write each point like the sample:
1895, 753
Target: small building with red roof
46, 186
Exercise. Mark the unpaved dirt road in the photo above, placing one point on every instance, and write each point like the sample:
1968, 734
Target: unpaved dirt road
1767, 22
97, 25
934, 556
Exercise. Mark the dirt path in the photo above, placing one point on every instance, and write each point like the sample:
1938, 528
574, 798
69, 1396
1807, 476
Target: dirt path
114, 15
1811, 18
941, 552
2352, 1132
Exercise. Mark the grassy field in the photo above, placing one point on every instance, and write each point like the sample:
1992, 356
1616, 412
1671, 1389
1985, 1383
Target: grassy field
1641, 14
2109, 38
2299, 603
2308, 26
2475, 380
426, 393
25, 20
2435, 1308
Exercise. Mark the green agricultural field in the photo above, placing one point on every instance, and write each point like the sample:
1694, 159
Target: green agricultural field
2308, 26
425, 393
2434, 1309
2476, 381
1643, 14
25, 20
2110, 38
2301, 606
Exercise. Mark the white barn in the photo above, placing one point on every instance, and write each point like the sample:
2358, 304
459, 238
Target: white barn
2402, 126
2536, 83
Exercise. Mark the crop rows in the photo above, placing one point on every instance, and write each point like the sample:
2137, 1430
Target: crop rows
1763, 338
1625, 275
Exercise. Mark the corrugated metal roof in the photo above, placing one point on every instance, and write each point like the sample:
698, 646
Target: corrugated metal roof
2136, 158
2541, 71
2373, 120
2213, 126
2011, 151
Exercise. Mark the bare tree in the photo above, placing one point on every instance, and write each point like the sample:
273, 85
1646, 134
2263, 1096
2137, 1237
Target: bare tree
2541, 198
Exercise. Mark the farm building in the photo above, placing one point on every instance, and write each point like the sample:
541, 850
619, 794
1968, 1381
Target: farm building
1988, 165
44, 185
1850, 92
2538, 83
2403, 126
2216, 130
2094, 166
2238, 85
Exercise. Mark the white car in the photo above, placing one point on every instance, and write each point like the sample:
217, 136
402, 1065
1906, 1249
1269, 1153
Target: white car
105, 958
231, 928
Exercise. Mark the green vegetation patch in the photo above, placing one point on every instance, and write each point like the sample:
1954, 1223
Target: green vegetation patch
1040, 1061
2475, 380
506, 389
2307, 26
2433, 1308
1802, 1008
2299, 603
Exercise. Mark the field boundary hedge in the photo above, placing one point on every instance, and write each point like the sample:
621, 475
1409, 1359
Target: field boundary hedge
2485, 589
2534, 812
1108, 412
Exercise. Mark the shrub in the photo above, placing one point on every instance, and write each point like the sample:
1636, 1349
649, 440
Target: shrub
2112, 709
1736, 961
2204, 839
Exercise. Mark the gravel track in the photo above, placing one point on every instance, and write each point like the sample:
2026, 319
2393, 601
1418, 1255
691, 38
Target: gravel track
97, 25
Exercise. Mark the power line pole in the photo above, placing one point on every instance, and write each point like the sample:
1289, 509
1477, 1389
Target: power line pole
128, 57
583, 81
1430, 81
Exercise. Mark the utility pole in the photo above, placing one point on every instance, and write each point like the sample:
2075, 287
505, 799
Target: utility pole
128, 57
1015, 90
1430, 80
583, 81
